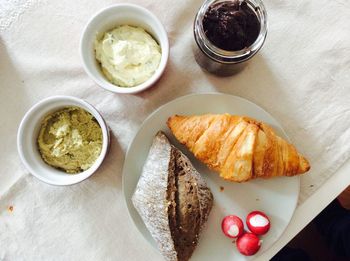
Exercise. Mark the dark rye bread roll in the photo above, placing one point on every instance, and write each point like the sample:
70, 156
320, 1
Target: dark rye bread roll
172, 199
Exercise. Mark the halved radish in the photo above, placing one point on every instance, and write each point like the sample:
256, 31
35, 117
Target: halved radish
232, 226
258, 222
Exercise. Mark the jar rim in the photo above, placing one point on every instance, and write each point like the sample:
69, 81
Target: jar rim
222, 55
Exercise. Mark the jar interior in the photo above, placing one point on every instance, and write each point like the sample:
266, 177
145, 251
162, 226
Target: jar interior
222, 55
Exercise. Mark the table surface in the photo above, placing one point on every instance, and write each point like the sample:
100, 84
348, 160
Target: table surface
302, 82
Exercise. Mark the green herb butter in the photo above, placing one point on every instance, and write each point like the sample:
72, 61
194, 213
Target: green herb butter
70, 139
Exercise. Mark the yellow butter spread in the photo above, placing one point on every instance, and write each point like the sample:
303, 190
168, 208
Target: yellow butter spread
128, 55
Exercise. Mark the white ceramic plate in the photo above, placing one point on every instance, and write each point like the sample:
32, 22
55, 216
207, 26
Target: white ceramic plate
276, 197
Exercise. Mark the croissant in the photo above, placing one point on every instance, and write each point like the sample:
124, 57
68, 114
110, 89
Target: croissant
238, 147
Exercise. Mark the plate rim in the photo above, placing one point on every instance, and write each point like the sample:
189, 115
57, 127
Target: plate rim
181, 98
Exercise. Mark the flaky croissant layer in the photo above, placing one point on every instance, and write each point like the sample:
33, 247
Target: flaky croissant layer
239, 148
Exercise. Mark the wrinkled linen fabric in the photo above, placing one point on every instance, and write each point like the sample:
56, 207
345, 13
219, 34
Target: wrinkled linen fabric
301, 77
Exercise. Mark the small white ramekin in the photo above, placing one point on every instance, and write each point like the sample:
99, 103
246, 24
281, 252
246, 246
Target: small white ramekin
27, 140
109, 18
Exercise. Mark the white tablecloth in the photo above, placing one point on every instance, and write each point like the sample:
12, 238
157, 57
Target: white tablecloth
301, 77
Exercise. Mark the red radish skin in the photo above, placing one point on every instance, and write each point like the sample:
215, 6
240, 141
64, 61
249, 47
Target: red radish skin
258, 223
248, 244
232, 226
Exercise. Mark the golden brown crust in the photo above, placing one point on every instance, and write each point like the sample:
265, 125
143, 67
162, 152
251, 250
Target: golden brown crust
239, 148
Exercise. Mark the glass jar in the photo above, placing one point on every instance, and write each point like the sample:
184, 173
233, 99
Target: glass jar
219, 61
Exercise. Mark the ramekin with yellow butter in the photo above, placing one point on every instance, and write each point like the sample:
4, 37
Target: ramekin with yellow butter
104, 22
128, 55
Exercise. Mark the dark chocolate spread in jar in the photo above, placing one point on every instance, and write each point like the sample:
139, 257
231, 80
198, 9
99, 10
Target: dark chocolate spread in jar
228, 34
231, 25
